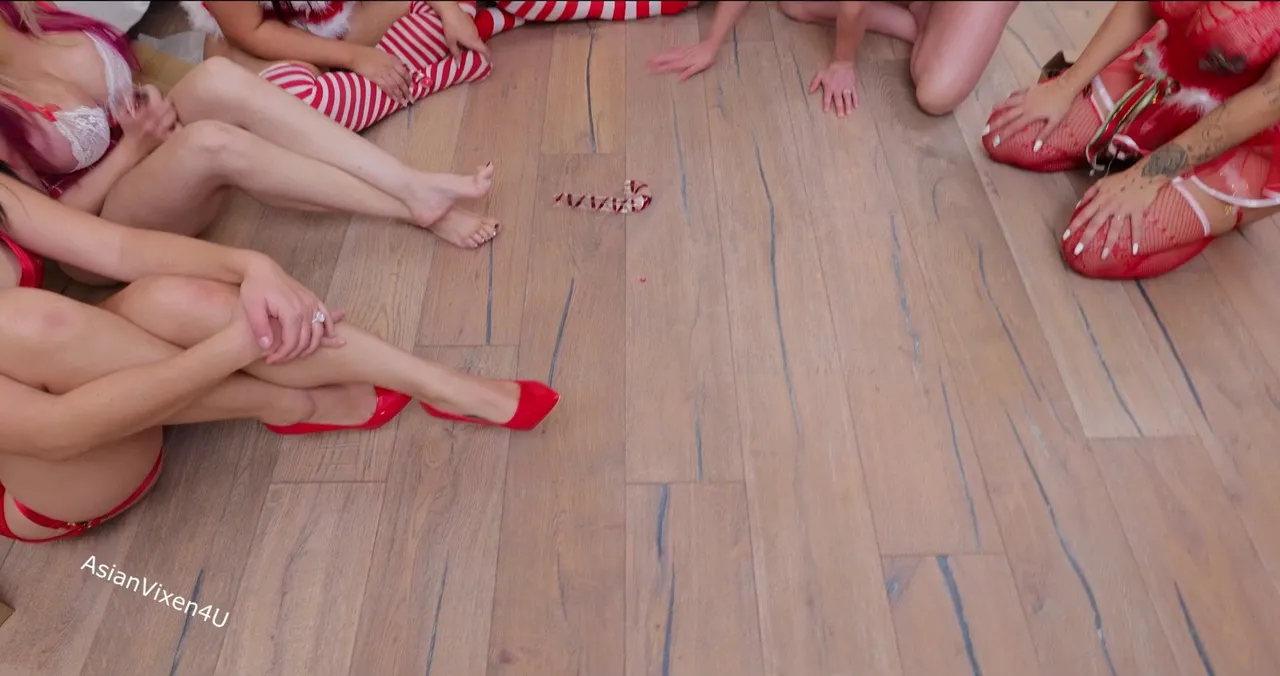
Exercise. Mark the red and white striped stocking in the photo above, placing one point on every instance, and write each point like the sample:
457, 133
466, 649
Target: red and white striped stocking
417, 38
577, 10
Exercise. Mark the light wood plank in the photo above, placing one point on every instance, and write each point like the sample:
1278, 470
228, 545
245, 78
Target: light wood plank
477, 297
297, 609
691, 603
682, 411
755, 25
1227, 380
958, 616
1079, 20
430, 597
814, 539
194, 537
1117, 384
59, 606
1219, 608
909, 429
559, 600
586, 90
1077, 579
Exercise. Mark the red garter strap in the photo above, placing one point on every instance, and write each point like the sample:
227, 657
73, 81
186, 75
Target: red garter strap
79, 527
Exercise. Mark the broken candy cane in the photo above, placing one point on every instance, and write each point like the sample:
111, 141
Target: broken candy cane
635, 198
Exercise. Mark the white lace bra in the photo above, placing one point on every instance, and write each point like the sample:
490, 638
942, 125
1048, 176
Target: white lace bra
88, 128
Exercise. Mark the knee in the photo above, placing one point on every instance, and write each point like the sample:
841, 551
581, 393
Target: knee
936, 97
173, 298
216, 146
796, 11
35, 318
213, 81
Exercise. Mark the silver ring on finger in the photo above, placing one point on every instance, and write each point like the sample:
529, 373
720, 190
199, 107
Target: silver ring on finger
319, 317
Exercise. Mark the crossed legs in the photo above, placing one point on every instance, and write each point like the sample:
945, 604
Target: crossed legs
56, 344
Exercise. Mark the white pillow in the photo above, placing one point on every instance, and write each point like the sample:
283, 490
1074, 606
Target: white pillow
121, 15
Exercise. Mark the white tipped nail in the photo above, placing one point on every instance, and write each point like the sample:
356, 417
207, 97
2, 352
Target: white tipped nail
986, 130
1121, 156
995, 141
1066, 235
1135, 248
1035, 147
1079, 248
1106, 253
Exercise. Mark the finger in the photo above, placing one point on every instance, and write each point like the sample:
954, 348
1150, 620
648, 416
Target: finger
689, 72
842, 105
317, 335
1098, 225
1013, 128
339, 316
1002, 120
815, 83
330, 325
1015, 99
305, 335
259, 316
1119, 225
475, 44
854, 96
850, 102
453, 47
290, 330
1135, 233
1082, 217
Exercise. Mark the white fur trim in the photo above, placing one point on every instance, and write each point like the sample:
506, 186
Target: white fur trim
335, 27
1193, 98
200, 19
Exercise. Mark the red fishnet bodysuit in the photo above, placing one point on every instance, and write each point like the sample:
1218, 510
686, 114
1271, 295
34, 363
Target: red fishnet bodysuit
1196, 57
418, 39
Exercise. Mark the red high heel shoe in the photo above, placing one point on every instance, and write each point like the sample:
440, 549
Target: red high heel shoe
390, 404
536, 403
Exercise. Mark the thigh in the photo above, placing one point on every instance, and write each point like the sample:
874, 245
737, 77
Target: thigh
372, 19
175, 189
958, 40
809, 12
103, 477
216, 47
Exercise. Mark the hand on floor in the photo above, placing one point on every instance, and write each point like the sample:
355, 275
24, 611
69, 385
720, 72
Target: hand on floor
687, 61
839, 86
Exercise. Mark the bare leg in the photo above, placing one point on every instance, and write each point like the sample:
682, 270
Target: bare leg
53, 343
957, 41
886, 18
220, 90
185, 311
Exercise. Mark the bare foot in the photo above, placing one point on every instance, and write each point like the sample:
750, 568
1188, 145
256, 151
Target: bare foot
484, 398
432, 195
465, 229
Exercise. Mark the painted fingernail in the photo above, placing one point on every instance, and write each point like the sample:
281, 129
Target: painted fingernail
1066, 235
1135, 248
1035, 147
995, 141
986, 130
1106, 253
1079, 248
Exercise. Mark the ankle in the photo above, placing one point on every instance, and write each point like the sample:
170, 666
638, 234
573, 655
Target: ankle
294, 407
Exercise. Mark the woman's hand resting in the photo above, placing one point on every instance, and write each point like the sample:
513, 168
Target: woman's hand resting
386, 71
1047, 102
271, 299
839, 85
687, 61
460, 33
147, 118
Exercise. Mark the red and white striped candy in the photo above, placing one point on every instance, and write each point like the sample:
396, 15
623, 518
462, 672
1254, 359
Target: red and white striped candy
635, 199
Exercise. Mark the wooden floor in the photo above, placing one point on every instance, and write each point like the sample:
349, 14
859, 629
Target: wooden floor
832, 406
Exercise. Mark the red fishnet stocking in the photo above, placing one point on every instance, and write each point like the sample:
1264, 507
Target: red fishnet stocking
1063, 150
1170, 235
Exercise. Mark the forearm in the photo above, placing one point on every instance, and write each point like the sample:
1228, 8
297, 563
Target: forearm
1127, 21
132, 400
444, 8
851, 26
55, 230
725, 18
150, 253
1225, 127
90, 192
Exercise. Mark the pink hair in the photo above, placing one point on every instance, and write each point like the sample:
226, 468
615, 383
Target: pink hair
50, 19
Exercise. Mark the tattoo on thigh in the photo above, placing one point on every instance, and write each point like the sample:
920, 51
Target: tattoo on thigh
1169, 160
